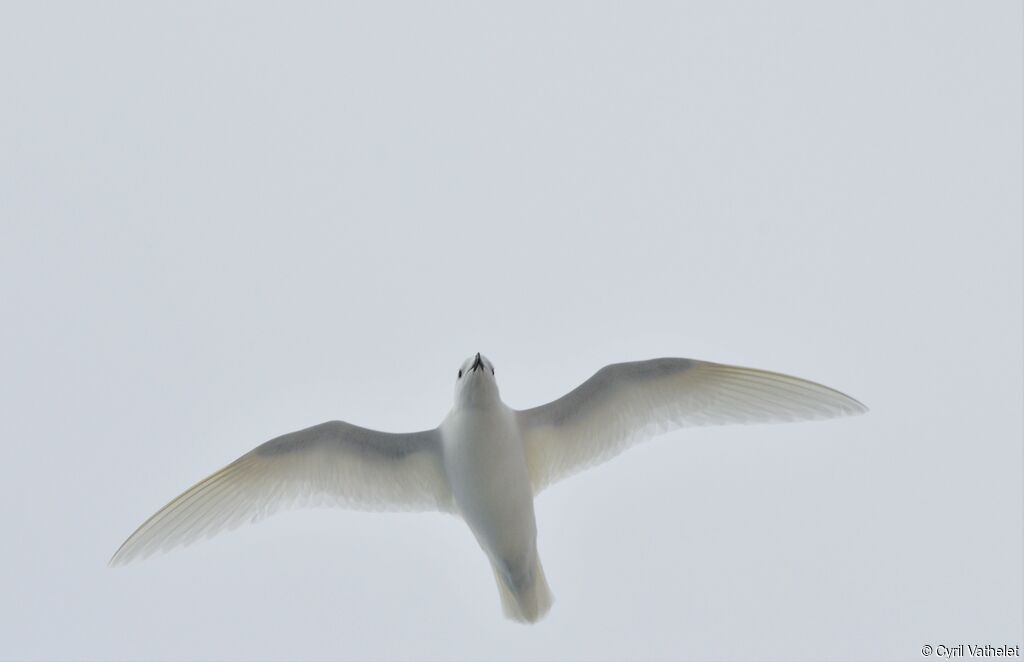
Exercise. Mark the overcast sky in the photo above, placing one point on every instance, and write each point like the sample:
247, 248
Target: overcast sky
223, 222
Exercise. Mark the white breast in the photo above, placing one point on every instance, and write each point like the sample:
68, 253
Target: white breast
486, 466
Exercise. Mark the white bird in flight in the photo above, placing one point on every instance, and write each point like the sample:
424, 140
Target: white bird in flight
486, 462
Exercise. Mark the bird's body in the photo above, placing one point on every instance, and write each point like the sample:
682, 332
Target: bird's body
486, 462
486, 467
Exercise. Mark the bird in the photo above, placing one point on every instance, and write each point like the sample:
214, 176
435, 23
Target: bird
485, 462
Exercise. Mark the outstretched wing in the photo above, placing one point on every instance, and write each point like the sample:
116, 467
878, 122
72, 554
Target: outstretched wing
625, 403
332, 463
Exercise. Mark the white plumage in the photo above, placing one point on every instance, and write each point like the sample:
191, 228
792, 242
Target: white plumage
485, 462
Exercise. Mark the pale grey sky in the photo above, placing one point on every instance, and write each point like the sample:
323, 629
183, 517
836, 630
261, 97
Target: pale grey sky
222, 222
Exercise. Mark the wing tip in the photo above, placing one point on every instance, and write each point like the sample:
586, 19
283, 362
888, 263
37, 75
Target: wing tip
855, 406
119, 557
117, 561
123, 556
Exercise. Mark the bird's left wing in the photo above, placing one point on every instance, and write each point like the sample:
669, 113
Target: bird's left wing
333, 463
625, 403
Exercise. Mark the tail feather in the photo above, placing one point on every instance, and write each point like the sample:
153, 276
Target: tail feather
529, 602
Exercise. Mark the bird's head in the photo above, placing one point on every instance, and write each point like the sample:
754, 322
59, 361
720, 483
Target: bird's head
475, 385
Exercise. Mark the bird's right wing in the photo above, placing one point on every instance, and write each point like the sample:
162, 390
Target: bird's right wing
626, 403
333, 463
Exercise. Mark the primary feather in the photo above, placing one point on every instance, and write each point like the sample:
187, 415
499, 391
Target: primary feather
333, 463
625, 403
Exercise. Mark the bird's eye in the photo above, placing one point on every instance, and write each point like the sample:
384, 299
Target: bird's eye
492, 371
460, 373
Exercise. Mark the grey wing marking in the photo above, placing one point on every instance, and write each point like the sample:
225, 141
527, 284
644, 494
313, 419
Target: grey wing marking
625, 403
333, 464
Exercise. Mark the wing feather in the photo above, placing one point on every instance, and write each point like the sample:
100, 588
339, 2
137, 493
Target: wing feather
626, 403
333, 463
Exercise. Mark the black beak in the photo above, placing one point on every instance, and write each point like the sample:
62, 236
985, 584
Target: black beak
477, 363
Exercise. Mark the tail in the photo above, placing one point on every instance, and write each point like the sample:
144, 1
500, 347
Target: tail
527, 600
